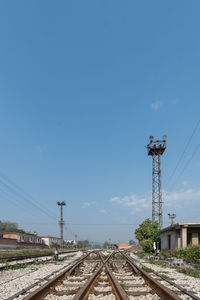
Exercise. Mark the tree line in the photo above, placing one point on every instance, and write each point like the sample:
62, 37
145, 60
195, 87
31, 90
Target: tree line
10, 227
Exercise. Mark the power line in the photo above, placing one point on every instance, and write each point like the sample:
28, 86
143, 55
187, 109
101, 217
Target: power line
8, 188
19, 189
186, 165
100, 224
184, 150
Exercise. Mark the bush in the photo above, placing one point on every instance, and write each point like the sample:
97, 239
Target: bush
189, 254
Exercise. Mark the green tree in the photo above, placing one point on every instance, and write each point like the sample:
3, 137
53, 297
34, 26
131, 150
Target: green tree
10, 227
147, 233
83, 244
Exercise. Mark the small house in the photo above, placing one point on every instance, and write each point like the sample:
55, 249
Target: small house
180, 235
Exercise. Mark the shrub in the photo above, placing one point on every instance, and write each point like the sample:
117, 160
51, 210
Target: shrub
189, 254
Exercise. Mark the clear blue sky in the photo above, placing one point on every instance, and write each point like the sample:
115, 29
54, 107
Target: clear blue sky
83, 84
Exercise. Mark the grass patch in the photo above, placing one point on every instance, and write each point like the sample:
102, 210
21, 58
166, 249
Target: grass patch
24, 252
165, 276
123, 285
189, 272
163, 265
142, 254
14, 267
146, 269
105, 256
158, 263
77, 272
165, 272
34, 269
42, 262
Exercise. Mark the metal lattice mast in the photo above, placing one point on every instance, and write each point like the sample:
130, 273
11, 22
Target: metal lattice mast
156, 149
156, 190
61, 204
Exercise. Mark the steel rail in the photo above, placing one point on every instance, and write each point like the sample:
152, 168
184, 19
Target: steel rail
32, 261
13, 258
41, 291
161, 290
85, 290
170, 282
178, 286
82, 294
24, 263
116, 286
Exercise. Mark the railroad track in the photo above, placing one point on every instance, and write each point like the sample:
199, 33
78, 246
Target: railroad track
178, 290
31, 259
93, 277
116, 278
16, 258
37, 281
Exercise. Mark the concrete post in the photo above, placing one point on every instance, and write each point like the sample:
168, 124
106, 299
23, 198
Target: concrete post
183, 237
178, 242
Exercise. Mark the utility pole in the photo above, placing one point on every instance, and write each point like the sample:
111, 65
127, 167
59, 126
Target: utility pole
156, 149
61, 222
172, 217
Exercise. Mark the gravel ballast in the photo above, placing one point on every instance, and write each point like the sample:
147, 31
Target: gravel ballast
189, 283
12, 281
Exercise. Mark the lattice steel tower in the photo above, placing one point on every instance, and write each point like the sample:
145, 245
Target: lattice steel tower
156, 149
61, 222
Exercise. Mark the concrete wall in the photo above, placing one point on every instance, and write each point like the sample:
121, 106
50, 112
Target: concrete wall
8, 243
179, 238
195, 238
174, 239
30, 246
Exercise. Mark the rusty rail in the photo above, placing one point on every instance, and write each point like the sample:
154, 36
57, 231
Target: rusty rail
116, 286
85, 290
22, 257
178, 287
169, 281
162, 291
43, 290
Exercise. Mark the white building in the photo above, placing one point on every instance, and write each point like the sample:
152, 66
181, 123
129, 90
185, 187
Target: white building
51, 241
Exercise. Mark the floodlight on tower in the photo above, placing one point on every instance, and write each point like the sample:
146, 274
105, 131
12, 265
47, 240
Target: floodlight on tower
164, 137
151, 138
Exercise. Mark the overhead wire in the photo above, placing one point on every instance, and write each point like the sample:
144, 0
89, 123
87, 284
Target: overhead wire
184, 151
103, 224
14, 193
19, 192
186, 165
22, 197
